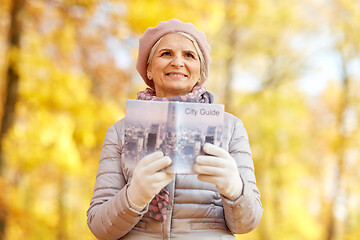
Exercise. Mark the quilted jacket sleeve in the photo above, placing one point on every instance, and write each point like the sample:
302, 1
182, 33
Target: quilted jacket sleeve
244, 214
109, 215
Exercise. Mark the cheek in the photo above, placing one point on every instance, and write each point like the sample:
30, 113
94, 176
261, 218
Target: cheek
159, 68
196, 69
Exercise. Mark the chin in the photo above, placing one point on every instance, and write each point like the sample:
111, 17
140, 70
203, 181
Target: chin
181, 91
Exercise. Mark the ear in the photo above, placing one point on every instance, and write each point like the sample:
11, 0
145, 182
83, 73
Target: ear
198, 83
148, 73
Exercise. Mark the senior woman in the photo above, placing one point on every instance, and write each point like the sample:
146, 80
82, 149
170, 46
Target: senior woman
145, 202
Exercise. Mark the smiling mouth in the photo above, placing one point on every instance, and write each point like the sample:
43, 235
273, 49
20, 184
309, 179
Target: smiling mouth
176, 75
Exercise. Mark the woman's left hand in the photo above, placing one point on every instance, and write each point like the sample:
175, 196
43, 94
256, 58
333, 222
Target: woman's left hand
220, 169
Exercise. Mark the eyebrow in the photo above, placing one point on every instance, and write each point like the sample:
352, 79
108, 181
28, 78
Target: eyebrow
165, 49
169, 49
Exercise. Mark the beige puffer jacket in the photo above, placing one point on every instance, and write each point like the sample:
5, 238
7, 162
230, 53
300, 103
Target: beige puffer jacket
196, 211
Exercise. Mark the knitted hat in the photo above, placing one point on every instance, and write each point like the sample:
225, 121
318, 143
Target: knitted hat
153, 34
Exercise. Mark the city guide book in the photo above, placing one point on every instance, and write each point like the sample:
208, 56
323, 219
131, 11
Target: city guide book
178, 129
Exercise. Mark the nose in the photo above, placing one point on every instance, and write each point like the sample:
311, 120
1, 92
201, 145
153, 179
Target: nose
177, 61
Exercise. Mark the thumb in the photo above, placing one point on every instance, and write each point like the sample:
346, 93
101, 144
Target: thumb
150, 158
211, 149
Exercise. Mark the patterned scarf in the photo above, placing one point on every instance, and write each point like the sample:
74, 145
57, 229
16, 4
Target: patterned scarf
197, 95
158, 205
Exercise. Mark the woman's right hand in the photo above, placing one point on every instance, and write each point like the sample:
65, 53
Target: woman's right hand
148, 179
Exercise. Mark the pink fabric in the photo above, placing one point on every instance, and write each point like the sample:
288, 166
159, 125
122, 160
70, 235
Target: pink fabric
152, 34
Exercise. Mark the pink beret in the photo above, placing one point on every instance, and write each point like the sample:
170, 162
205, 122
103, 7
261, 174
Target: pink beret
152, 34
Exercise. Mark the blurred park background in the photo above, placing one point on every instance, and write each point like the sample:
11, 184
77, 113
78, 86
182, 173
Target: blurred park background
289, 69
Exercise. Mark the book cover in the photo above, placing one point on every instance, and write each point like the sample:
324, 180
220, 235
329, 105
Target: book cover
178, 129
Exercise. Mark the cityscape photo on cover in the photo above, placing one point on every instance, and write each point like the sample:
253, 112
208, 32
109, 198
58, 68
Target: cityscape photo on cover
178, 129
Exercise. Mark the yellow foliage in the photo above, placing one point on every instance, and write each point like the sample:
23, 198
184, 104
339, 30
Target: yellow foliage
70, 92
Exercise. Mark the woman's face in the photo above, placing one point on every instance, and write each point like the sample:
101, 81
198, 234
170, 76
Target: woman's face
175, 66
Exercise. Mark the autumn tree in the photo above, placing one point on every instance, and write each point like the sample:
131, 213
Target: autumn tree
11, 86
59, 123
75, 66
342, 20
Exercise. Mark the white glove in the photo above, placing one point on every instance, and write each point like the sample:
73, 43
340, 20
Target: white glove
221, 169
148, 179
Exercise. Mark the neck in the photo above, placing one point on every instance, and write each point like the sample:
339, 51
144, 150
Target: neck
160, 93
170, 94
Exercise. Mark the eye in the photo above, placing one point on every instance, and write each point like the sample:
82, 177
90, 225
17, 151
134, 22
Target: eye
165, 54
189, 55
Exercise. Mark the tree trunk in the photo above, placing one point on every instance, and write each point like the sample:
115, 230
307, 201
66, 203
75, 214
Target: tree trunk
61, 227
229, 62
10, 91
335, 226
230, 38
